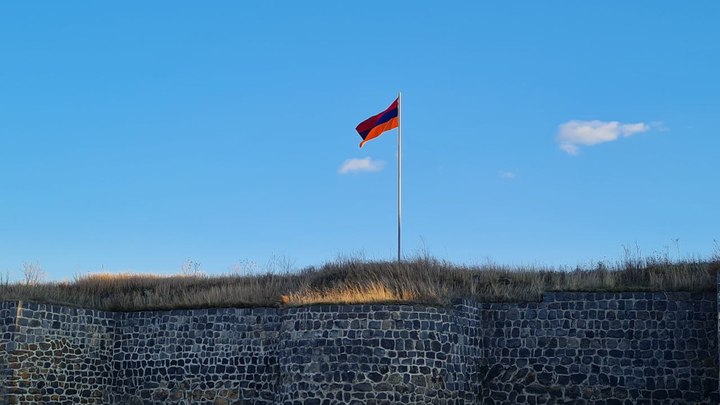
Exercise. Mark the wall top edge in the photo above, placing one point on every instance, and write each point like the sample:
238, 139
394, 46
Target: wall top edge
647, 295
456, 304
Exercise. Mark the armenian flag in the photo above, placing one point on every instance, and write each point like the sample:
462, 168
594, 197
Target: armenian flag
377, 124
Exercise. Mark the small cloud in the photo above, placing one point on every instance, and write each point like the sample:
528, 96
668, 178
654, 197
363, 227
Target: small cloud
573, 134
570, 148
507, 175
361, 165
659, 126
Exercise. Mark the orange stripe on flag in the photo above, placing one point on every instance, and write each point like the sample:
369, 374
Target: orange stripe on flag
375, 132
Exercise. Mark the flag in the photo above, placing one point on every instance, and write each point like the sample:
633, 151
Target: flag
377, 124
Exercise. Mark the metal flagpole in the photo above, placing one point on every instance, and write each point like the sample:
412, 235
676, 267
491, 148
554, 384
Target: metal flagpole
399, 173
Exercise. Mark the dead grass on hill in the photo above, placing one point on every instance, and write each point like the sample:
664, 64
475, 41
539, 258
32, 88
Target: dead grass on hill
422, 280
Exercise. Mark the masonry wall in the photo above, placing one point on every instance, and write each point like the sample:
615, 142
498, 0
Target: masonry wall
8, 311
581, 348
602, 348
366, 354
314, 355
57, 355
207, 356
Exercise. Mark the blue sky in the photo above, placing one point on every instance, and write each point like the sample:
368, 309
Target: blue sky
134, 136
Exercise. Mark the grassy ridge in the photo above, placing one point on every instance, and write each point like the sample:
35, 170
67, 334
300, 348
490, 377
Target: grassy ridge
422, 280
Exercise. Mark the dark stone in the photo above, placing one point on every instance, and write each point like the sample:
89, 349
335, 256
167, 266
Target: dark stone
375, 377
544, 378
494, 372
536, 389
578, 378
363, 387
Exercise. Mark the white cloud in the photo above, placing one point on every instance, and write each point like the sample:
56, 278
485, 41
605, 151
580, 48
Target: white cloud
573, 134
507, 175
361, 165
659, 126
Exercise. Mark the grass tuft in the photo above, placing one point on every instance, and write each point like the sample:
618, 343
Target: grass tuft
422, 280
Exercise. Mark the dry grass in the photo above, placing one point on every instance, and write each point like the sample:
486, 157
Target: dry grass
422, 280
372, 292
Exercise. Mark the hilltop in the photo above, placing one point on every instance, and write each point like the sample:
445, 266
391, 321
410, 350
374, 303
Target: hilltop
424, 280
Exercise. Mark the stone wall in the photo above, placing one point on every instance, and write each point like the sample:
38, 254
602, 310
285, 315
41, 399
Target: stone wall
57, 354
208, 356
602, 348
313, 355
8, 311
367, 354
580, 348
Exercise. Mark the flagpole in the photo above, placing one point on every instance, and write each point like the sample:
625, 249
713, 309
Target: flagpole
399, 174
